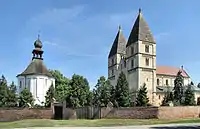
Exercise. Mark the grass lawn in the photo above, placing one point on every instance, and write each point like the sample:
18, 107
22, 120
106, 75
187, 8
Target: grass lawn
98, 122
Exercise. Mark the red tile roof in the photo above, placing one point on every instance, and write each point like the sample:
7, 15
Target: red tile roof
170, 71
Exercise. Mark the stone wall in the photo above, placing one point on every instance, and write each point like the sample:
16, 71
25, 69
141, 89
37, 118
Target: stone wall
179, 112
131, 113
12, 114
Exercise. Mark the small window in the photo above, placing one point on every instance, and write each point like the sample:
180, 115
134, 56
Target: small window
112, 61
158, 82
20, 84
45, 82
167, 82
132, 63
124, 64
132, 50
147, 61
159, 97
147, 48
112, 72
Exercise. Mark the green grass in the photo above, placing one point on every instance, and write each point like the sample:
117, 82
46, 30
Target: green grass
98, 122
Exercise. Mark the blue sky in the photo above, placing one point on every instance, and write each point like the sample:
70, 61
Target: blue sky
77, 35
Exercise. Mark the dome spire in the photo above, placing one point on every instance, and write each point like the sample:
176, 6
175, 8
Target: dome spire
37, 52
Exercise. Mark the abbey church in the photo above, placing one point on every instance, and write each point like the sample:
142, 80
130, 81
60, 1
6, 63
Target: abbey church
136, 58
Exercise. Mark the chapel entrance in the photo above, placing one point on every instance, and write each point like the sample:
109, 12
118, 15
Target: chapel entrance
58, 112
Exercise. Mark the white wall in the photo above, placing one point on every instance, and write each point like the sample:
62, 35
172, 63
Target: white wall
37, 85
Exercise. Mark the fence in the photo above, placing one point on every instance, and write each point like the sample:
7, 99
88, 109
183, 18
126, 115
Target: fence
88, 112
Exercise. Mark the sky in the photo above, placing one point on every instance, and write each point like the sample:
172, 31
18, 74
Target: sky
77, 34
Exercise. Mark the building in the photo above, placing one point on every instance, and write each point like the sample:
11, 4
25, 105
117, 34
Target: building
36, 77
136, 57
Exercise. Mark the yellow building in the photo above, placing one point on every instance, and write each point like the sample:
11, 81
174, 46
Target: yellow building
136, 57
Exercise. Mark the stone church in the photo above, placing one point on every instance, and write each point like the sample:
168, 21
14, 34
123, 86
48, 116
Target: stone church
136, 58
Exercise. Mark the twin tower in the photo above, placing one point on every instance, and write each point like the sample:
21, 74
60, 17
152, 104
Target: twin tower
136, 58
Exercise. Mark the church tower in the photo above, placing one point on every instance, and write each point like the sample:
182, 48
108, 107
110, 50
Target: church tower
115, 58
141, 57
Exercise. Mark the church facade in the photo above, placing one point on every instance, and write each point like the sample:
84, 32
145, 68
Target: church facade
36, 77
136, 58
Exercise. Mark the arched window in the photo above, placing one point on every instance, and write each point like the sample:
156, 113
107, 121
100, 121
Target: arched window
112, 61
147, 61
132, 50
20, 84
112, 72
167, 82
158, 82
147, 48
132, 63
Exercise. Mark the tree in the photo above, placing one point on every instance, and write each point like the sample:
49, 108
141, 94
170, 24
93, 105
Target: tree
189, 96
25, 98
102, 92
178, 88
78, 92
122, 91
49, 96
167, 98
61, 85
142, 99
3, 92
12, 97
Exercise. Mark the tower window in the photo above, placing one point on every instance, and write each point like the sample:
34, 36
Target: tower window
112, 72
132, 63
112, 61
147, 48
167, 82
132, 50
158, 82
147, 61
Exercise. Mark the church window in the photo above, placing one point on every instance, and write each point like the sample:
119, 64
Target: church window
112, 61
132, 50
20, 84
167, 82
45, 82
158, 82
147, 61
112, 72
147, 48
132, 63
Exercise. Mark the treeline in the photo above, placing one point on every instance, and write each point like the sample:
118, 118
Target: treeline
9, 98
180, 95
76, 92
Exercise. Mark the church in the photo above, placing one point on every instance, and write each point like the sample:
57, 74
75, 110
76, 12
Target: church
136, 58
36, 77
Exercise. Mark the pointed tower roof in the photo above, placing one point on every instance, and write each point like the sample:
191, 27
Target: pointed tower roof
36, 66
119, 44
140, 31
